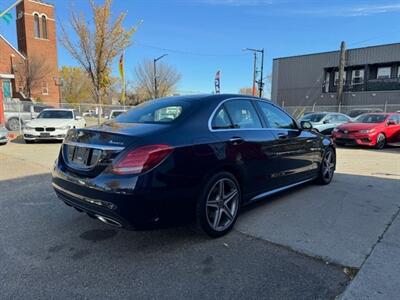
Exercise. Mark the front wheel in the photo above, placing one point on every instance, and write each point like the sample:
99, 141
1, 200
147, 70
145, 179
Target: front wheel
218, 206
327, 167
380, 141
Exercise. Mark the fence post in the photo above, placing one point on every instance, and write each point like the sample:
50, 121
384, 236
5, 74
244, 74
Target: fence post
386, 106
19, 118
313, 107
283, 104
339, 107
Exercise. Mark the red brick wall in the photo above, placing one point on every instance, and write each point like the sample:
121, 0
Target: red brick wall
8, 57
45, 49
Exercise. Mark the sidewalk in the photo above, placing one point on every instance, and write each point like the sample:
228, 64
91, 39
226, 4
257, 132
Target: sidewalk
379, 276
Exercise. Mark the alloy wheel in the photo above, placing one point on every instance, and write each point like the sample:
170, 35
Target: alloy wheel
222, 204
328, 166
381, 141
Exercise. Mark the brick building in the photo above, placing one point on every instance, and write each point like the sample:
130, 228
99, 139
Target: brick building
36, 37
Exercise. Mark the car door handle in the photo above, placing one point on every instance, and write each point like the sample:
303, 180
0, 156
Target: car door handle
282, 136
236, 140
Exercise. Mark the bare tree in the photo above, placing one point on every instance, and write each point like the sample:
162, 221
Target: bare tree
97, 46
31, 73
246, 91
167, 78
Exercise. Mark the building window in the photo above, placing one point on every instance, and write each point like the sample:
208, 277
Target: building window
45, 88
327, 82
357, 77
44, 27
383, 73
37, 25
336, 82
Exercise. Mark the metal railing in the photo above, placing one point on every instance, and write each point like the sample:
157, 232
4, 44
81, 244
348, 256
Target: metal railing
18, 113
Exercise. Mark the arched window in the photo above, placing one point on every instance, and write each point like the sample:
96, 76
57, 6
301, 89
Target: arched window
37, 26
44, 27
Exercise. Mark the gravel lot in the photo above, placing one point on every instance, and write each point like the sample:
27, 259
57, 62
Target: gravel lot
290, 246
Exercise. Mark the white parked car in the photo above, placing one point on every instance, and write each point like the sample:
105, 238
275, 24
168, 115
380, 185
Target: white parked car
3, 135
52, 124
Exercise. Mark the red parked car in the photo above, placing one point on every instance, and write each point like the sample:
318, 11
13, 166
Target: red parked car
372, 129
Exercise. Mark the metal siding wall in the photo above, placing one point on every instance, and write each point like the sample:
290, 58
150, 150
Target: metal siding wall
298, 80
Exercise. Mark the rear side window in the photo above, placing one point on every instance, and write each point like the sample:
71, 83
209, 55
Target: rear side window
221, 120
243, 114
275, 117
343, 118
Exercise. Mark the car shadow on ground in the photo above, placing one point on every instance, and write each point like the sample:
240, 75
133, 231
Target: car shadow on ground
390, 148
20, 140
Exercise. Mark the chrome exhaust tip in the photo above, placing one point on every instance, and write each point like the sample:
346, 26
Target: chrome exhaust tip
109, 221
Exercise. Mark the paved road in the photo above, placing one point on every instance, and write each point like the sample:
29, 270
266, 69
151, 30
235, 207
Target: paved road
48, 249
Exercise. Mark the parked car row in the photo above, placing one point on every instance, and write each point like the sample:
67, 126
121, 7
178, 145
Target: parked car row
373, 129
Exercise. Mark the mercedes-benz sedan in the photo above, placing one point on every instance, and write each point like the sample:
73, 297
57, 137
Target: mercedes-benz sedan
200, 156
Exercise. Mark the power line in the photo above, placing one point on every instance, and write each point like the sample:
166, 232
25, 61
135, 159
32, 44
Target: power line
187, 52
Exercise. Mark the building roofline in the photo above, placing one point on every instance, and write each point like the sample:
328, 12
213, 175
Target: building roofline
41, 2
335, 51
8, 43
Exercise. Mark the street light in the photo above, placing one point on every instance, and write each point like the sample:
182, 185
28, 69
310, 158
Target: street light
155, 74
260, 82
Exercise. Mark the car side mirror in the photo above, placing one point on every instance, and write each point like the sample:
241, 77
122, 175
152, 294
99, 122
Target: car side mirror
306, 125
391, 122
326, 122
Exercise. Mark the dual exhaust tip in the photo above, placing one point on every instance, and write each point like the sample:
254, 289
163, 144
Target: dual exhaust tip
108, 221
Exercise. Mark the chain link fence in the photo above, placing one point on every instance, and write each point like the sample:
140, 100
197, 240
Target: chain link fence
18, 113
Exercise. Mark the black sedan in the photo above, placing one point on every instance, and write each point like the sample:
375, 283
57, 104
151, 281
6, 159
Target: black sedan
200, 156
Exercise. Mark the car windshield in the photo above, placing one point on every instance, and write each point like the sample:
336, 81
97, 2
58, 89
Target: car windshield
313, 117
154, 112
372, 118
56, 114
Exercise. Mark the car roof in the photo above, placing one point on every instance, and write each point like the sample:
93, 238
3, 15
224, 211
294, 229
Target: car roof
212, 97
63, 109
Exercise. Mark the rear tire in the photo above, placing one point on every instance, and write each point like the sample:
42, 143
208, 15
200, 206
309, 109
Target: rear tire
327, 167
218, 206
380, 141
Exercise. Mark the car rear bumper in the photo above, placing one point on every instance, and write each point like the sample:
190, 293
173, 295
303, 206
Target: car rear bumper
131, 202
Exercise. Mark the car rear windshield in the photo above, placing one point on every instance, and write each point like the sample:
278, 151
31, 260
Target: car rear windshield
155, 112
372, 118
313, 117
56, 114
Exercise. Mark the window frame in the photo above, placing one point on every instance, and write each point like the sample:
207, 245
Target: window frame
44, 34
384, 67
36, 24
222, 104
267, 125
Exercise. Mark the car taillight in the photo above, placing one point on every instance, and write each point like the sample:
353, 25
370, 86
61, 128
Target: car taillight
141, 159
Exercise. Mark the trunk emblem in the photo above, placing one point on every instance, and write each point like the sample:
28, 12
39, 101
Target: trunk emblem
346, 131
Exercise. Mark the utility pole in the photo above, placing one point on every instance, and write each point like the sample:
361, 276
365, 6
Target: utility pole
155, 74
342, 63
260, 82
254, 74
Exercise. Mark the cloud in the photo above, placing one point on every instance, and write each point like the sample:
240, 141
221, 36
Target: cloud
350, 11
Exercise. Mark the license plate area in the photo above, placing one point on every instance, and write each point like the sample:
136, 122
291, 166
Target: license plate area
44, 134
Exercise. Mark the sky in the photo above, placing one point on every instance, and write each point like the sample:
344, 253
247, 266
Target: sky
203, 36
